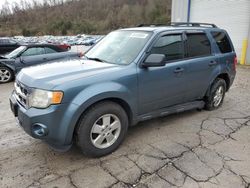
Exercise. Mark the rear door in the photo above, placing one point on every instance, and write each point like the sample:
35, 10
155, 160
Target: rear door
201, 63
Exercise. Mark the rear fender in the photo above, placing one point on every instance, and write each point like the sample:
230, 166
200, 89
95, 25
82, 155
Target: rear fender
218, 71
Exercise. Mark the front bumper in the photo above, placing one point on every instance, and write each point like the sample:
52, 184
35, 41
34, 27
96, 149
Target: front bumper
55, 121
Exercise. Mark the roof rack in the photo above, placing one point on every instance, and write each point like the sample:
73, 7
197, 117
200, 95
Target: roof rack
150, 25
193, 24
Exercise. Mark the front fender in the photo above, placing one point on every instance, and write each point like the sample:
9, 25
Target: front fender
95, 93
9, 64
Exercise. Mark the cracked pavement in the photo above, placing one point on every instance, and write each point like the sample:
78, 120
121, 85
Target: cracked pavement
190, 149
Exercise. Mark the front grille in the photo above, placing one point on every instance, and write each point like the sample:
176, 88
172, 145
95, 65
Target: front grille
21, 94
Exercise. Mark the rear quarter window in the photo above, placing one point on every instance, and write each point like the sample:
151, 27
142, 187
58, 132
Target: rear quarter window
222, 42
198, 45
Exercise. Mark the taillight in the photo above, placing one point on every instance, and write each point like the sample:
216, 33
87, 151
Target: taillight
235, 62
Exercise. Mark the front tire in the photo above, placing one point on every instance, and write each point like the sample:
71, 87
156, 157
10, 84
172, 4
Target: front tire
216, 95
6, 74
102, 129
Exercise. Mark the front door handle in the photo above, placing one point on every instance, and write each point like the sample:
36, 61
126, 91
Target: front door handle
212, 63
178, 70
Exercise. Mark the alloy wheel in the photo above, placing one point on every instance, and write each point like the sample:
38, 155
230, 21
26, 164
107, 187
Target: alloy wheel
105, 131
5, 75
218, 96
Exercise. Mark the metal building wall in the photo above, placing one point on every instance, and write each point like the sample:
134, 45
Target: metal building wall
232, 15
179, 11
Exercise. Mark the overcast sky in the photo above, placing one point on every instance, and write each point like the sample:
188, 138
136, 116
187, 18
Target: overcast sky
2, 2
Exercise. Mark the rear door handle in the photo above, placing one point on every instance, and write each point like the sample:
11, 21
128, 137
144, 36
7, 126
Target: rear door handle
212, 63
44, 58
178, 70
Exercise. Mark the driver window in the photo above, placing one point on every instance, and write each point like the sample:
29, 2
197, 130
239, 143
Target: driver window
33, 51
49, 50
169, 45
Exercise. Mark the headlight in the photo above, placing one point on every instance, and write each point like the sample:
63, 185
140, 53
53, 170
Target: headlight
42, 98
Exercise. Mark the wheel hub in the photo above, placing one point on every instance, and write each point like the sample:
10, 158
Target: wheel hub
4, 75
218, 96
105, 131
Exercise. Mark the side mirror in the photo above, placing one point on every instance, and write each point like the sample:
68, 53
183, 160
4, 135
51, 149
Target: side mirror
21, 59
154, 60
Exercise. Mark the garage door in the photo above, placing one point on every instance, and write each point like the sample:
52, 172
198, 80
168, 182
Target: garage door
234, 16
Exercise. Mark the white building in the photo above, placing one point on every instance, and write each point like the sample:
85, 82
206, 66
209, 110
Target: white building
231, 15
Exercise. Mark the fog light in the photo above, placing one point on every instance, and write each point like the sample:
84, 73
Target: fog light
39, 130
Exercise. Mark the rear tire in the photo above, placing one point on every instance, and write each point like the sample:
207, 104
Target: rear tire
6, 75
102, 129
216, 95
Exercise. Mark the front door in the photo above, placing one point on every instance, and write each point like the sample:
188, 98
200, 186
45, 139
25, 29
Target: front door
164, 86
32, 56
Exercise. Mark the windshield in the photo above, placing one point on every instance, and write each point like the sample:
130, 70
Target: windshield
15, 52
119, 47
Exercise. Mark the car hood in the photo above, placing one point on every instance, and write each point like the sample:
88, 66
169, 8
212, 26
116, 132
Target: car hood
48, 76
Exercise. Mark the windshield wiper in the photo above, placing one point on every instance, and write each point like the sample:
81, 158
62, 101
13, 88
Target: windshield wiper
96, 59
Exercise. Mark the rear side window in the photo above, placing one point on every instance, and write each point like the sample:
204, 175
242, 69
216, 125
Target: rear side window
222, 41
198, 45
169, 45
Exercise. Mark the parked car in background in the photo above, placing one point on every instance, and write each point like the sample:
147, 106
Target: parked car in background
99, 39
89, 41
132, 75
28, 55
70, 41
63, 46
7, 45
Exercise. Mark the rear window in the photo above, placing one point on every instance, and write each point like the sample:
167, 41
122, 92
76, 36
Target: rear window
222, 41
198, 45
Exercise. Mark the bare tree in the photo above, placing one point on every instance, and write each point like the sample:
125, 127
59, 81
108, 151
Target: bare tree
79, 16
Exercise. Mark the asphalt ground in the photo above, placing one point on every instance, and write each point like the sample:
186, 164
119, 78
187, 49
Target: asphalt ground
190, 149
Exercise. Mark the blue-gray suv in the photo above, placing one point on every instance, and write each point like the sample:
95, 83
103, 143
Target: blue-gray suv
131, 75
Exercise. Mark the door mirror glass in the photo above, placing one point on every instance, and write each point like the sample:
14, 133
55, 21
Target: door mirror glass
155, 60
